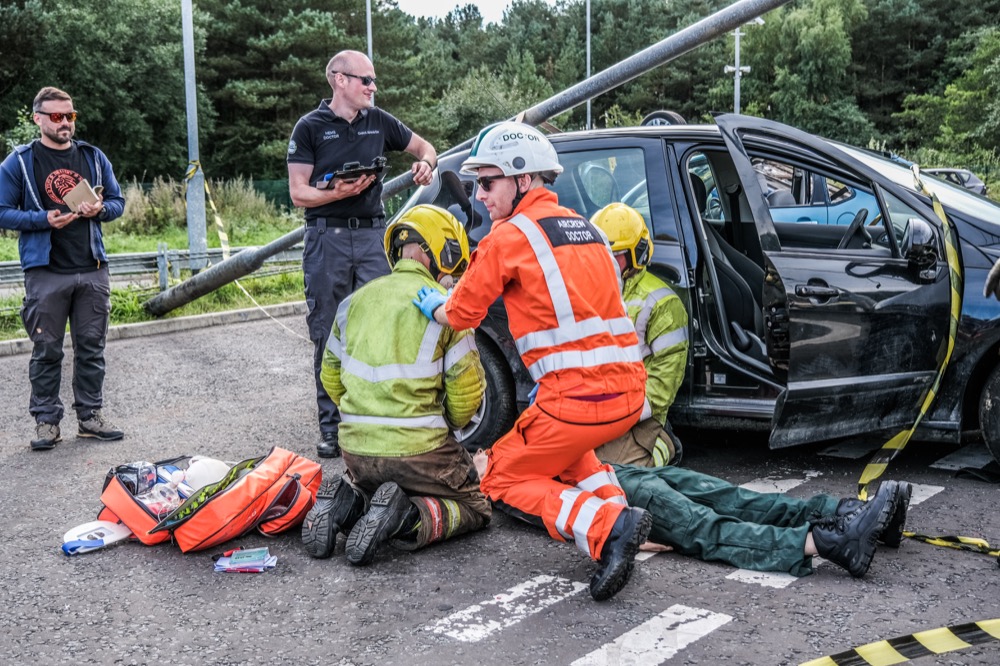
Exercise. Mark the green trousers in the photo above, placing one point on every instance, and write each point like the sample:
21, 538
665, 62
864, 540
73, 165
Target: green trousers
713, 520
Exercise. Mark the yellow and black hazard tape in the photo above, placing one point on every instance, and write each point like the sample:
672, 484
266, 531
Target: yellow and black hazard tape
971, 544
913, 646
881, 458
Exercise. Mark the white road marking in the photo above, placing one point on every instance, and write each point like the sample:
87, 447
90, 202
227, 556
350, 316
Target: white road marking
772, 485
922, 493
658, 639
507, 608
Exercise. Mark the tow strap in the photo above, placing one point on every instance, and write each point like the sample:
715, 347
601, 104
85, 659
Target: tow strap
881, 458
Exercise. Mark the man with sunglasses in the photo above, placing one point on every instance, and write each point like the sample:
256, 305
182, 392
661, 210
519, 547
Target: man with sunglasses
661, 324
562, 293
64, 262
344, 214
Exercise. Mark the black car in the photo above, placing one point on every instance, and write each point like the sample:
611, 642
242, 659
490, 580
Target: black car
963, 177
812, 331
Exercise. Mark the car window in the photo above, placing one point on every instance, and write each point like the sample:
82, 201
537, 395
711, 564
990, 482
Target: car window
591, 179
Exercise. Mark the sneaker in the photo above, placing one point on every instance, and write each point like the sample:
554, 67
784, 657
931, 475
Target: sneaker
99, 428
46, 437
389, 510
618, 555
849, 540
338, 507
329, 446
893, 534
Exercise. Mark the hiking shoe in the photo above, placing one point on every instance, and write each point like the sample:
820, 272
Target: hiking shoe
46, 437
389, 510
618, 554
99, 428
338, 507
849, 540
329, 446
893, 534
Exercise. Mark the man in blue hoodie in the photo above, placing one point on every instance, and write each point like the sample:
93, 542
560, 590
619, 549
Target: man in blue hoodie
65, 266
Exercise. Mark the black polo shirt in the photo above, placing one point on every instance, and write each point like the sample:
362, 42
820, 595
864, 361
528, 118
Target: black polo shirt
326, 141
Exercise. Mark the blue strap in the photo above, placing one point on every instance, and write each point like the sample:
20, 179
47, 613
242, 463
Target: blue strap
81, 546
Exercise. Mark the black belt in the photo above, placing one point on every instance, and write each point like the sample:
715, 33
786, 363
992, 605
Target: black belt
347, 222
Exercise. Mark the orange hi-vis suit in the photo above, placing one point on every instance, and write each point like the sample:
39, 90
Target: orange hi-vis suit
561, 288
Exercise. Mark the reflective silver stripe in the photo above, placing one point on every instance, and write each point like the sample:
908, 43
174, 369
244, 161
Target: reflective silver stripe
568, 498
584, 519
669, 339
436, 421
645, 306
334, 344
573, 332
429, 343
568, 329
589, 358
647, 410
457, 352
661, 453
598, 480
369, 373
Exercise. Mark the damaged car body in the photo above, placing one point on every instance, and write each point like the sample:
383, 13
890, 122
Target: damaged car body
814, 274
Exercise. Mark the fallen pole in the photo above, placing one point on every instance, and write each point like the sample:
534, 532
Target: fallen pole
664, 51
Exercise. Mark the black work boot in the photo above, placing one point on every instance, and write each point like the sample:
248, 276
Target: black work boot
47, 435
329, 446
618, 554
849, 540
338, 507
390, 509
892, 536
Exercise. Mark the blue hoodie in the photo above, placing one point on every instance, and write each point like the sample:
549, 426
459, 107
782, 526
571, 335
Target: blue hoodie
21, 207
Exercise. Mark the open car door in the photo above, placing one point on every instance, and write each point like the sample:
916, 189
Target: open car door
854, 331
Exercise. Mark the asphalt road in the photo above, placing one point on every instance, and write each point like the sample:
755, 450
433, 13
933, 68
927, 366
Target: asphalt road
508, 595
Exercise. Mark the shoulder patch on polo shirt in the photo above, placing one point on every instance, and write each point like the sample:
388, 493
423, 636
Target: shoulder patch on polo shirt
569, 231
292, 147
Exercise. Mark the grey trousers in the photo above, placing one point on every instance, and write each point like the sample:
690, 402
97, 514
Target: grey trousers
50, 301
335, 262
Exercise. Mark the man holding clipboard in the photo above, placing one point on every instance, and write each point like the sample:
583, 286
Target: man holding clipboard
56, 192
335, 167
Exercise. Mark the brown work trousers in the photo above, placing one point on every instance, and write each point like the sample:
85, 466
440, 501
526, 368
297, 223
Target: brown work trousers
636, 447
442, 484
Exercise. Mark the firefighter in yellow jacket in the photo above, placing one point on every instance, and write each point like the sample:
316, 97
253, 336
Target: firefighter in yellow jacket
661, 324
401, 383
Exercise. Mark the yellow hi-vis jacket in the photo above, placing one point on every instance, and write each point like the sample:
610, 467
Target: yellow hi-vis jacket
661, 324
400, 381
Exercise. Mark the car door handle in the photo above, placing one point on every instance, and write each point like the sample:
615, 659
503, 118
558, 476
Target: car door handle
814, 291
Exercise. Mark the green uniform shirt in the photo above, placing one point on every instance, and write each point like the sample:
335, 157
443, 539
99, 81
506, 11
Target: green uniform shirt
400, 381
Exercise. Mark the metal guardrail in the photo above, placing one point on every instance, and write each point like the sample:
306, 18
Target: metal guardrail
164, 263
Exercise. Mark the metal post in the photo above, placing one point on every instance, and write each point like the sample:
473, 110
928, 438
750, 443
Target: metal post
368, 18
197, 241
738, 74
589, 125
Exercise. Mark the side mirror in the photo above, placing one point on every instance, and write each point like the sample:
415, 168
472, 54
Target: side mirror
919, 247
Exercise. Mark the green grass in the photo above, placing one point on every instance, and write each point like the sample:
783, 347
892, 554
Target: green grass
127, 304
155, 215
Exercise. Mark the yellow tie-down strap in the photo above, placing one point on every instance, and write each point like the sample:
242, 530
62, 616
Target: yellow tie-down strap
914, 646
881, 458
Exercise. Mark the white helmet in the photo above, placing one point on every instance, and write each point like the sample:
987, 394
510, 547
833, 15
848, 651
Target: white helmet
514, 148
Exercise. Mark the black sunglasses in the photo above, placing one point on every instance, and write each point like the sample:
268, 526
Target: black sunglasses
486, 182
58, 116
365, 80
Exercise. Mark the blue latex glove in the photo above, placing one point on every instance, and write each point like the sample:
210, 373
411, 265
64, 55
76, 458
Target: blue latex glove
429, 300
532, 394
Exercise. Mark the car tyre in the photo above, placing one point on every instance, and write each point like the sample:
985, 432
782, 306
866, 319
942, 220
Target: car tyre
989, 413
499, 409
663, 118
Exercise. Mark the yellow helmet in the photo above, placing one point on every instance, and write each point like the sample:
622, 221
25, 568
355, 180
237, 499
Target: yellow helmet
627, 232
439, 234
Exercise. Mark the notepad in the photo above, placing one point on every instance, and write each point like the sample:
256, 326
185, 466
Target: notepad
81, 194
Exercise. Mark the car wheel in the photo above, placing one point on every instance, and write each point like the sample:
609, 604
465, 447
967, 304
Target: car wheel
499, 409
989, 413
663, 118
